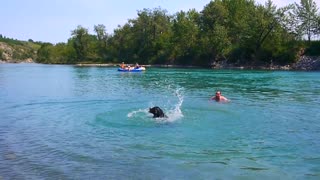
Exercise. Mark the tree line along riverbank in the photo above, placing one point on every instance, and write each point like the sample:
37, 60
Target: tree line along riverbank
216, 37
304, 62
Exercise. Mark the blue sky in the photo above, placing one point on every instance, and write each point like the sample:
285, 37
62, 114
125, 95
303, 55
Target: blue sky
53, 20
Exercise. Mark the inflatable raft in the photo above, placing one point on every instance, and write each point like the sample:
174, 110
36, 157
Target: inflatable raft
132, 70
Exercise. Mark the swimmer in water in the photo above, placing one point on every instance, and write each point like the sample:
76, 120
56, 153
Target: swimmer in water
219, 98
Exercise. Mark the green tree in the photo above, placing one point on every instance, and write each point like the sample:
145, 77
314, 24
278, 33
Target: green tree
215, 34
149, 29
267, 26
44, 54
64, 53
307, 18
100, 29
121, 44
80, 36
185, 36
102, 37
235, 30
144, 39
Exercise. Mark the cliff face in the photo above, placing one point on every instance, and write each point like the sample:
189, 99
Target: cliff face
6, 52
14, 53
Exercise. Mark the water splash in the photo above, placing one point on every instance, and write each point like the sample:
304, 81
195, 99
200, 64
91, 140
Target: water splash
172, 114
133, 113
176, 113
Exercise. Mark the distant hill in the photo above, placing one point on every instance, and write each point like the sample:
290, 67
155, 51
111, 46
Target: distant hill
15, 51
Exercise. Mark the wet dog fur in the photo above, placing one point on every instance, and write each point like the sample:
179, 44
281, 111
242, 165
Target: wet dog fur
157, 112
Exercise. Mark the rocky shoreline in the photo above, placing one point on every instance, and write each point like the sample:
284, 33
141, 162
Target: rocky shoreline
305, 63
29, 60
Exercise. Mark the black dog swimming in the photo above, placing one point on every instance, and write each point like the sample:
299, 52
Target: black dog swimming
157, 112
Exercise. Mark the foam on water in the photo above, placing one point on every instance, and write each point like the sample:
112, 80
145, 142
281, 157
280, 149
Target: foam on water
134, 113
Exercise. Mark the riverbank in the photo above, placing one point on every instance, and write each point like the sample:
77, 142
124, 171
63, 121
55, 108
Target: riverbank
144, 65
305, 63
308, 63
29, 60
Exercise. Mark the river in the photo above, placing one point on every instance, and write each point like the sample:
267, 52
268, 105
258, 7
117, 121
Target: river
67, 122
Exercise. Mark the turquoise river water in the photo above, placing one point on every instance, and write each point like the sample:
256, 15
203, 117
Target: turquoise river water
67, 122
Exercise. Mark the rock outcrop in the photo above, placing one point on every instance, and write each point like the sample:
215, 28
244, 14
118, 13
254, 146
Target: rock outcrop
308, 63
6, 52
16, 53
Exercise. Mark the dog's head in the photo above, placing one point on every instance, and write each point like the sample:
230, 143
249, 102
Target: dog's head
156, 111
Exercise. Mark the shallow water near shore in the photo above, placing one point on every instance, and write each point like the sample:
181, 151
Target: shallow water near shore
67, 122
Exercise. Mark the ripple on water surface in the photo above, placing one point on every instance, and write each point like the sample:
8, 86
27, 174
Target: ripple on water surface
82, 123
